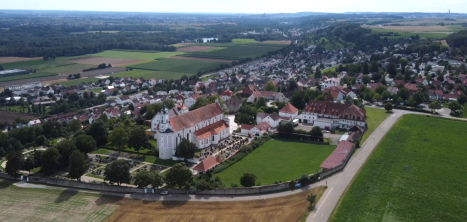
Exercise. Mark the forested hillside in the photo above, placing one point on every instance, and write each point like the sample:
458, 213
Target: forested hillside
458, 40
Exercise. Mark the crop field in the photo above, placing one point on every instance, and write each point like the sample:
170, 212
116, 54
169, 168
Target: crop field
33, 204
180, 45
67, 69
11, 116
196, 48
76, 82
236, 52
137, 54
179, 65
280, 42
35, 64
417, 173
374, 117
277, 160
96, 60
405, 34
201, 59
16, 59
290, 208
243, 41
149, 74
427, 21
26, 76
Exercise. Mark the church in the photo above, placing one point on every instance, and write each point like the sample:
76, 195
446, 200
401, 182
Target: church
203, 127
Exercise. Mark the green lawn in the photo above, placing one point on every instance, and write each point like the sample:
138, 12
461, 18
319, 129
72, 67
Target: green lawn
103, 151
32, 204
16, 108
374, 117
237, 52
26, 76
179, 65
149, 74
76, 82
37, 64
278, 160
465, 110
417, 173
137, 54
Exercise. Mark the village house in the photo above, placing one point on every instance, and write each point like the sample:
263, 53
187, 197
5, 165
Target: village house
272, 118
204, 126
190, 101
226, 95
258, 130
233, 105
336, 93
288, 111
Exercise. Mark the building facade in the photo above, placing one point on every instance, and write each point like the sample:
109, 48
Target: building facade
343, 116
204, 126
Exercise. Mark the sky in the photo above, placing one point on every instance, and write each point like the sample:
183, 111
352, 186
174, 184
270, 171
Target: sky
242, 6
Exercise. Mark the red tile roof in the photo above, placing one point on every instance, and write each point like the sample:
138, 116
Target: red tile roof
227, 93
191, 118
263, 126
334, 90
338, 155
334, 109
247, 126
206, 164
213, 129
289, 108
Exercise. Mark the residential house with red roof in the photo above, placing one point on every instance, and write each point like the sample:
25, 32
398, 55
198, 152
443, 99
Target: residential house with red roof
272, 118
436, 94
329, 115
190, 101
207, 164
226, 95
204, 126
288, 111
336, 93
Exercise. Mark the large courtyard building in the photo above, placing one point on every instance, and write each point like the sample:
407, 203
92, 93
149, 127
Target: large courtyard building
329, 115
204, 126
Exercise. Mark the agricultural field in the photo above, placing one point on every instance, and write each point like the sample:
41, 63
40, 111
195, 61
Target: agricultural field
137, 54
243, 41
201, 59
417, 173
16, 59
178, 65
197, 48
374, 117
96, 60
236, 52
149, 74
68, 69
76, 82
290, 208
278, 160
412, 31
33, 204
26, 76
35, 64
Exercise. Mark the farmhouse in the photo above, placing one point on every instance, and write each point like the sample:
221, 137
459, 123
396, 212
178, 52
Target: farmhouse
203, 127
329, 115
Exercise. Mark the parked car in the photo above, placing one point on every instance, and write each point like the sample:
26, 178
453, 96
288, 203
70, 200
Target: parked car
164, 192
325, 131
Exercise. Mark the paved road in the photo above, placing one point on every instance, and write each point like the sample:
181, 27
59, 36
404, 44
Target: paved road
339, 182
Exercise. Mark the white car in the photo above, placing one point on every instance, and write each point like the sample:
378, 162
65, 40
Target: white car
325, 131
165, 192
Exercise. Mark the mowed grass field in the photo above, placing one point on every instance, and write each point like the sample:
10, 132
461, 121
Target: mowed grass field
290, 208
26, 76
76, 82
178, 65
406, 34
417, 173
374, 117
137, 54
149, 74
237, 52
278, 160
33, 204
68, 69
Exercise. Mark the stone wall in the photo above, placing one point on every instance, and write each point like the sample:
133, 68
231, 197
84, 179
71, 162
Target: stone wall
246, 190
83, 185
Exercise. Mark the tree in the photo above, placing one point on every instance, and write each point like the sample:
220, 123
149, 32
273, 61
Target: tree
435, 105
65, 148
412, 103
85, 143
118, 172
28, 164
454, 106
386, 95
118, 138
78, 165
186, 149
377, 97
99, 131
137, 138
316, 132
270, 86
261, 102
248, 180
74, 125
366, 79
15, 161
462, 99
388, 107
391, 69
318, 73
131, 107
404, 63
365, 68
41, 140
157, 179
403, 93
418, 97
50, 159
285, 128
143, 178
179, 176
